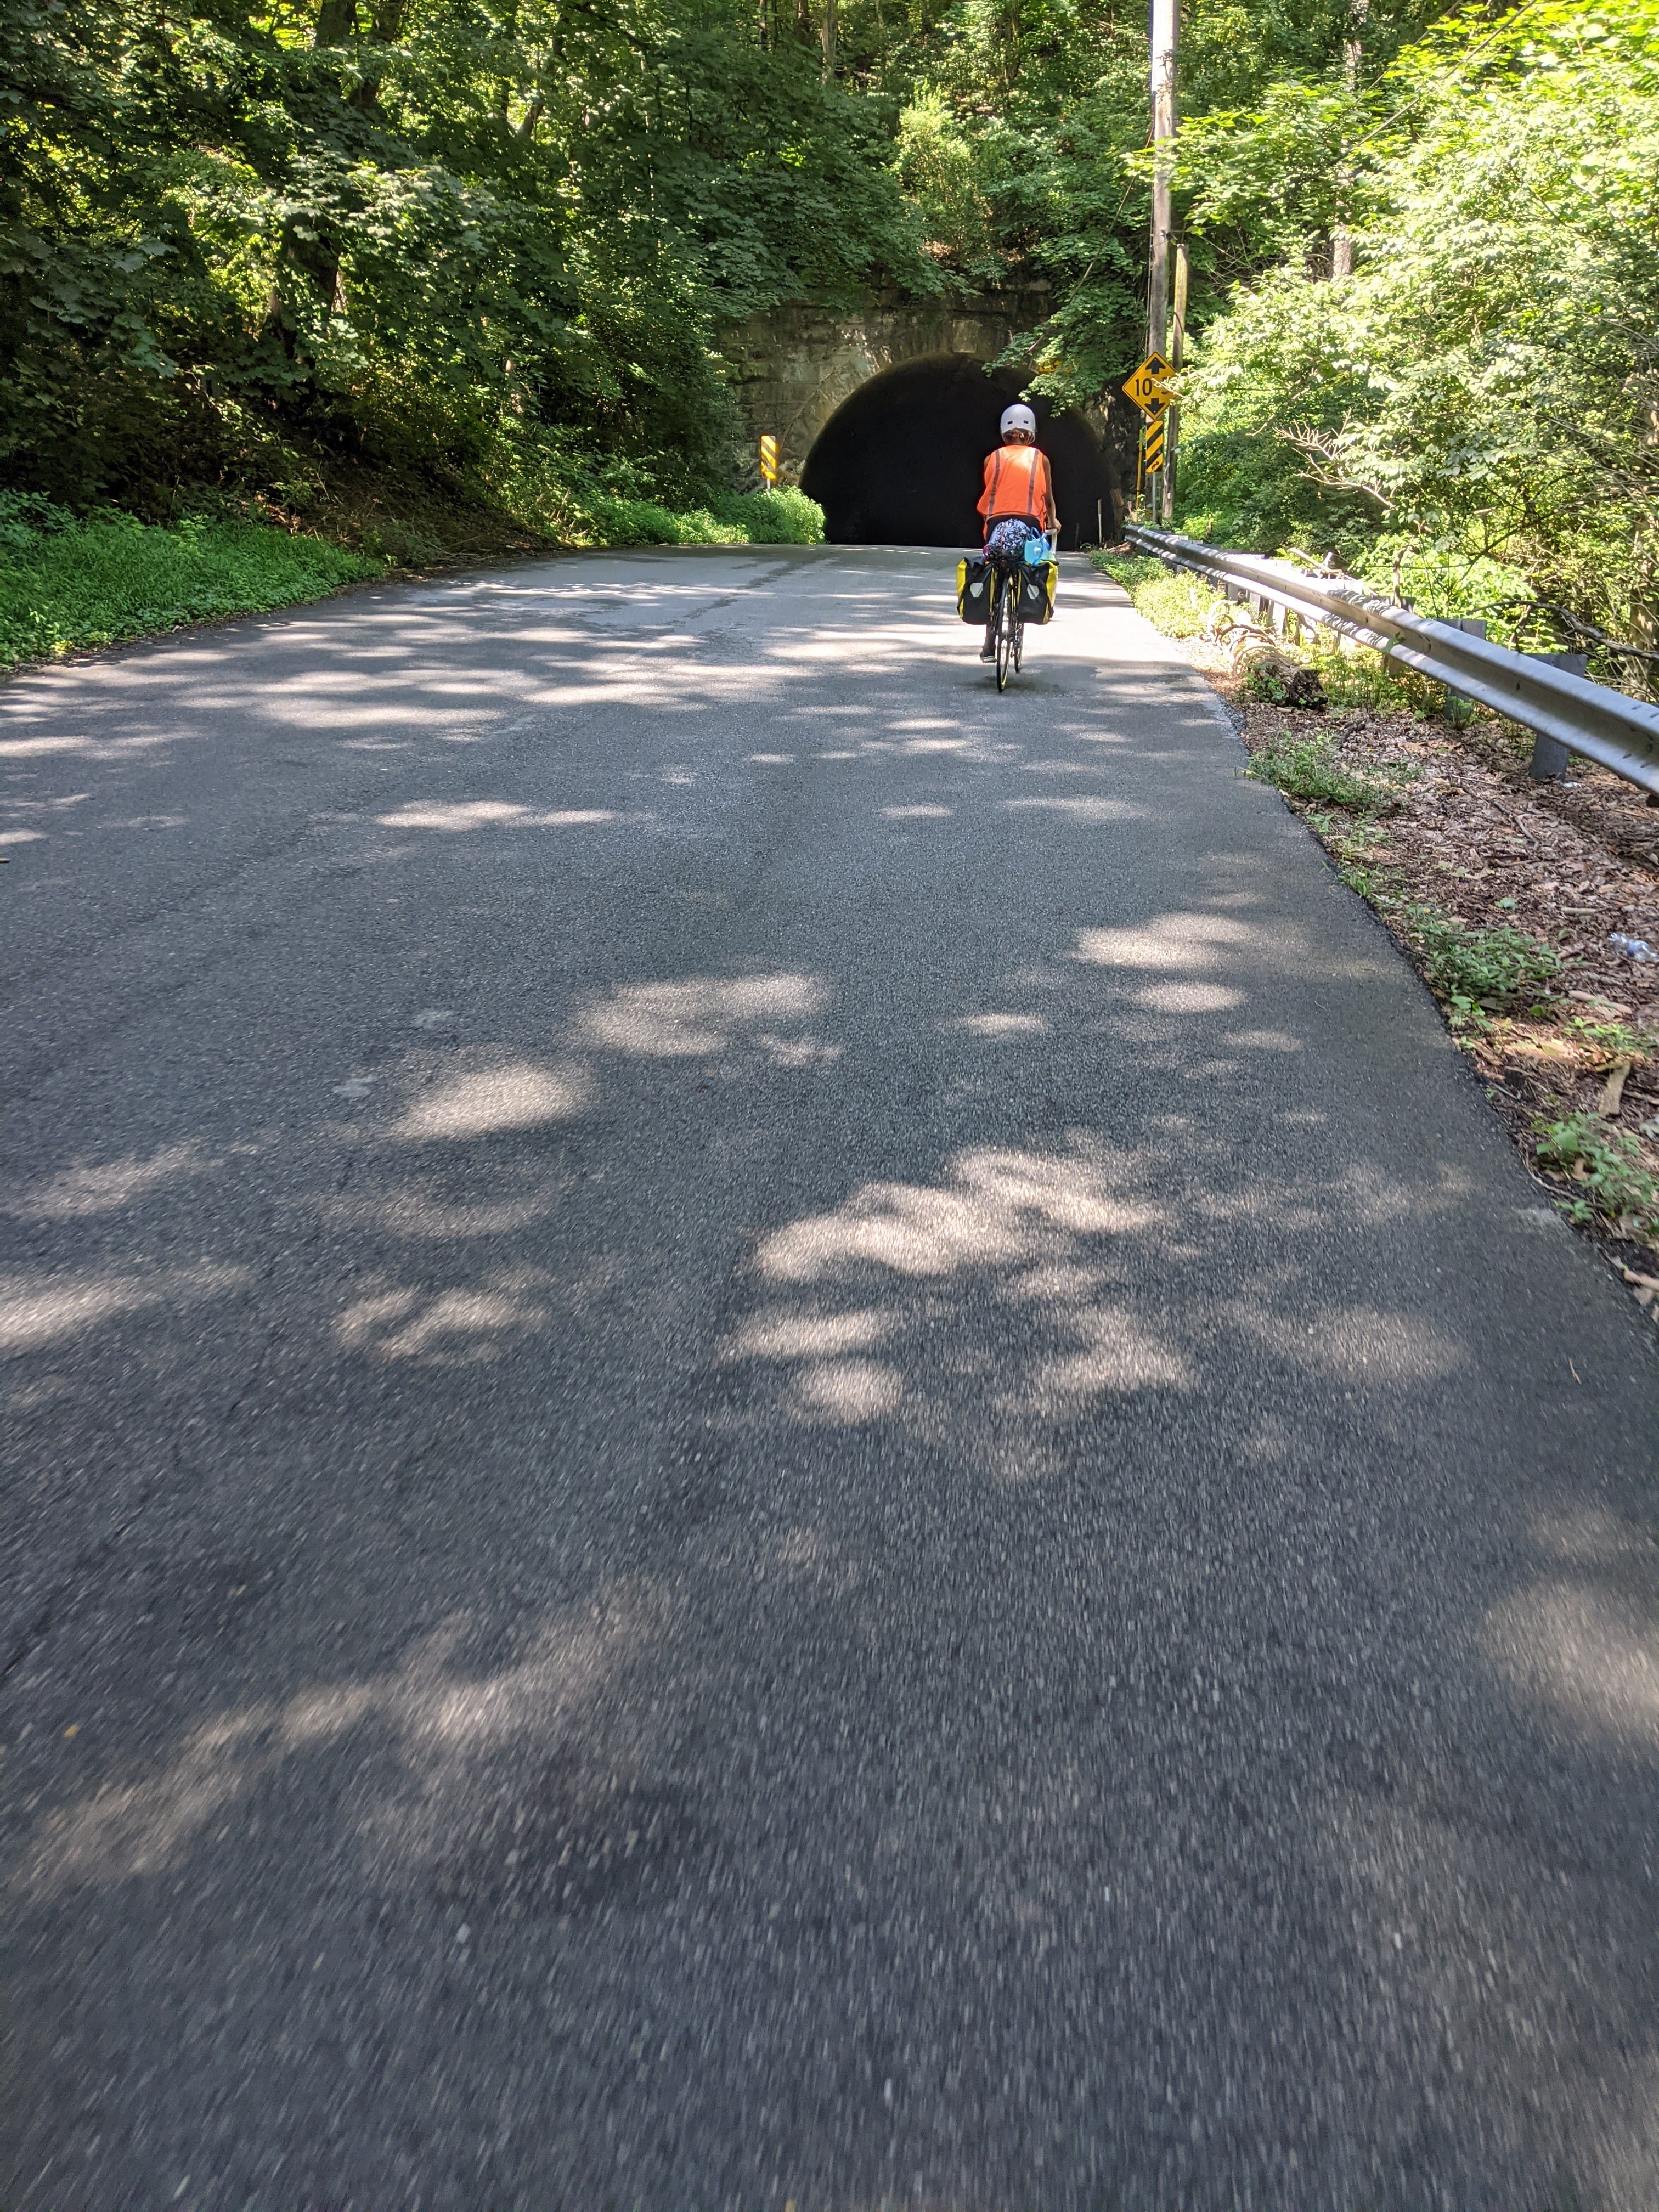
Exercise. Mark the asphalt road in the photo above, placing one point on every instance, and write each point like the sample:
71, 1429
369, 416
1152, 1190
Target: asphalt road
780, 1433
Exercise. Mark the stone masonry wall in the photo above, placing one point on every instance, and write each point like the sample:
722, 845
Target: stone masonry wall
789, 369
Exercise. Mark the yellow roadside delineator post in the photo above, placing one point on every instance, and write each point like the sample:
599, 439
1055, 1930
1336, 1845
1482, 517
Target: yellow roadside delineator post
769, 460
1149, 388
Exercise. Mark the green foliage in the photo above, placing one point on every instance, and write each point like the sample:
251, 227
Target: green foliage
65, 582
1371, 680
1611, 1177
774, 518
406, 543
1442, 578
1443, 410
643, 522
1618, 1037
1243, 486
487, 243
1173, 600
780, 517
1181, 605
1022, 137
1309, 768
1131, 570
1475, 971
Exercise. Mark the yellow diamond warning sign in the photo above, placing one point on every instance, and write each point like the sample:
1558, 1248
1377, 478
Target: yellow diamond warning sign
1149, 386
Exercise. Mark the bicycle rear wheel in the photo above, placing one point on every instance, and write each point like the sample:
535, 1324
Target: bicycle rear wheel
1007, 627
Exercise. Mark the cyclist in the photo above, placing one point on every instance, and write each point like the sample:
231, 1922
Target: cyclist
1017, 504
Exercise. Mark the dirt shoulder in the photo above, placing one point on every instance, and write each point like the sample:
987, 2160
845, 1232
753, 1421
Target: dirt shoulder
1507, 895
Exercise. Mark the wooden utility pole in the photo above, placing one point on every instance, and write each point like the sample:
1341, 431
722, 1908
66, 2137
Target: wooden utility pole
1178, 349
1165, 26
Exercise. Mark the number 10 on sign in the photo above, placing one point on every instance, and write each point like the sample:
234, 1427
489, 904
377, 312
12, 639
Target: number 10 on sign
769, 460
1149, 387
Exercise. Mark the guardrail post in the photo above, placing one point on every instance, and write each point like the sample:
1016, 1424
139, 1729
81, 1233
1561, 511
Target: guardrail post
1549, 755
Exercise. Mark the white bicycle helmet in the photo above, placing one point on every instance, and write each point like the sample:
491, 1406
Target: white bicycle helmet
1018, 418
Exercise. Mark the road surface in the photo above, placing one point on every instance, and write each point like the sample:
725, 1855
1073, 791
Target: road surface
780, 1434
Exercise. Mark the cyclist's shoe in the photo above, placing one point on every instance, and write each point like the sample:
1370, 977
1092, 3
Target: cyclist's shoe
987, 651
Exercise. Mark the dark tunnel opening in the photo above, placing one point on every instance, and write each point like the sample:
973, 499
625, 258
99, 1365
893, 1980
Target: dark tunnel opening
901, 462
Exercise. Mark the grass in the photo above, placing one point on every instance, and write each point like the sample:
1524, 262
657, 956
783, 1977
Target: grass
1475, 971
70, 581
67, 582
1174, 600
1612, 1183
1309, 768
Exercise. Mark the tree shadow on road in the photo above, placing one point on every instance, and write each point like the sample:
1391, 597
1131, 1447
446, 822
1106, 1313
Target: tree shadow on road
892, 1509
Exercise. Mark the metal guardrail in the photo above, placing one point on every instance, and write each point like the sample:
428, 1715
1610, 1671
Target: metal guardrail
1591, 719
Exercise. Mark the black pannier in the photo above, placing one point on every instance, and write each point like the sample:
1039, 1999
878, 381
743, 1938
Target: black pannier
1038, 582
974, 589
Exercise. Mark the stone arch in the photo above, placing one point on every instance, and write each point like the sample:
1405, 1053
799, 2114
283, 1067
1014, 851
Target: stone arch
792, 369
900, 461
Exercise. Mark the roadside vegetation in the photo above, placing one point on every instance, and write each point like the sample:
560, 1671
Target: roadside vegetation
1530, 909
1464, 415
429, 280
67, 581
70, 581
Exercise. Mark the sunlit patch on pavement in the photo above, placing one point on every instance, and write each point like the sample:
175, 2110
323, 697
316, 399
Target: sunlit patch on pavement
482, 1101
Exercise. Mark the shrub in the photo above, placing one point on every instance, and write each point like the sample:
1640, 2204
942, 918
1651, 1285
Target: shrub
774, 518
645, 522
758, 517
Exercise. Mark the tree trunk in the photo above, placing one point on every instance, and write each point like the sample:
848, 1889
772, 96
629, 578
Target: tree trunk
336, 23
1341, 236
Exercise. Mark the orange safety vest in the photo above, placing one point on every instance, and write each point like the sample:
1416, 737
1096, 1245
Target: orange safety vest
1017, 485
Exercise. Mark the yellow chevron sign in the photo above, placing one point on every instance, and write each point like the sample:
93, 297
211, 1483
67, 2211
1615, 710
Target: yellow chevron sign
1149, 386
1153, 449
769, 460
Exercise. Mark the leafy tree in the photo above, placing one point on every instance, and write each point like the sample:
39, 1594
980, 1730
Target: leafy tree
474, 232
1484, 385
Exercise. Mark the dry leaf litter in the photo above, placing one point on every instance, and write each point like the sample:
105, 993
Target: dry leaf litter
1574, 863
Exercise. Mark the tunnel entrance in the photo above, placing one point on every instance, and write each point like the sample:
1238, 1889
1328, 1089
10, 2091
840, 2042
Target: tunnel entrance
901, 462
